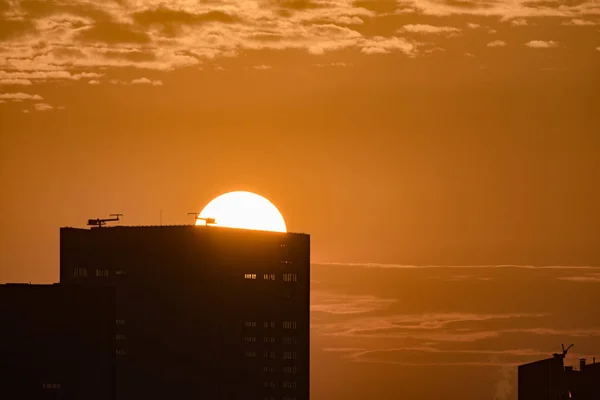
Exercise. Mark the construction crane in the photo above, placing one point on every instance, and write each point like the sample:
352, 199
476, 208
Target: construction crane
564, 351
100, 222
206, 220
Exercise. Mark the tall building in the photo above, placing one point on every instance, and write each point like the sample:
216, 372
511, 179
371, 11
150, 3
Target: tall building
57, 342
203, 311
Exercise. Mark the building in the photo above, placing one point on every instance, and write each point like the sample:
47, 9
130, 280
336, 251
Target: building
549, 379
57, 342
202, 311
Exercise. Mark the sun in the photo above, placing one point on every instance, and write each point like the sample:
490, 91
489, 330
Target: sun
245, 210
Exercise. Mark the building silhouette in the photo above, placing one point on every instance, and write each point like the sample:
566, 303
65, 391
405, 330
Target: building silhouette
549, 379
201, 311
57, 342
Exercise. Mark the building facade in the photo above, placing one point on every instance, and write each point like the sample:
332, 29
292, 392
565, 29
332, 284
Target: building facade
201, 311
57, 342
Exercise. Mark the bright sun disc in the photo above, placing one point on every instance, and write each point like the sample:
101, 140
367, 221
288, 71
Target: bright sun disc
243, 210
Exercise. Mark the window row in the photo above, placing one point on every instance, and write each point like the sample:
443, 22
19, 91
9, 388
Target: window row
79, 272
120, 337
101, 272
290, 277
121, 352
269, 354
250, 354
288, 385
289, 355
286, 262
289, 397
290, 340
250, 324
50, 385
266, 339
269, 369
289, 369
269, 277
120, 322
290, 325
287, 277
250, 339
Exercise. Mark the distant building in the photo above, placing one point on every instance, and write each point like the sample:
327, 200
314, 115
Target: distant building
57, 342
549, 379
202, 311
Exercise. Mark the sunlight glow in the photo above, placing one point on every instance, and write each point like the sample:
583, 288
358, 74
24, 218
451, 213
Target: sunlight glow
243, 210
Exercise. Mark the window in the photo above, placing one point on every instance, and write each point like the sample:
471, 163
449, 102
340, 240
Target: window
289, 397
289, 385
269, 277
289, 369
267, 369
80, 272
120, 337
286, 262
50, 385
290, 277
289, 355
250, 354
101, 272
269, 384
290, 340
121, 352
268, 324
250, 339
249, 276
267, 339
290, 325
120, 272
250, 324
269, 354
120, 322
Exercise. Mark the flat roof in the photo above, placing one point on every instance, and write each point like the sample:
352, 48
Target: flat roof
182, 226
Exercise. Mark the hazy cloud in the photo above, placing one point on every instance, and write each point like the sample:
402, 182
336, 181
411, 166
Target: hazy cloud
579, 22
94, 82
11, 81
420, 28
333, 64
331, 303
519, 22
20, 96
403, 266
587, 278
496, 43
472, 25
43, 107
262, 67
146, 81
541, 44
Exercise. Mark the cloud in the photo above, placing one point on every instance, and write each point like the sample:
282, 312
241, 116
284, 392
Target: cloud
25, 111
11, 81
598, 48
420, 28
20, 96
587, 278
262, 67
519, 22
333, 64
541, 44
496, 43
331, 303
94, 82
578, 22
472, 25
403, 266
2, 101
469, 54
146, 81
43, 107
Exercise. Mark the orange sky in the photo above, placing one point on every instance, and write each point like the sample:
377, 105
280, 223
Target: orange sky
446, 132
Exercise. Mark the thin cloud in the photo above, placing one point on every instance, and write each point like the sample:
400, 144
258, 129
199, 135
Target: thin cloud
146, 81
43, 107
496, 43
331, 303
263, 67
420, 28
333, 64
472, 25
94, 82
20, 96
404, 266
25, 82
541, 44
588, 278
519, 22
578, 22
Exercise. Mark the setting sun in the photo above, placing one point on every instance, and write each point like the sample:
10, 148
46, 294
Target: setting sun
243, 210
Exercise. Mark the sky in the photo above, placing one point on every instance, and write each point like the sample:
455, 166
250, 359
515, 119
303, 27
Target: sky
409, 132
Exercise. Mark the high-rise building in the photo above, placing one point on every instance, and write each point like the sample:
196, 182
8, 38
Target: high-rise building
202, 311
57, 342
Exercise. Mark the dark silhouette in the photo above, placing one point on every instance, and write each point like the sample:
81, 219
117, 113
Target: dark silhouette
57, 342
201, 311
550, 379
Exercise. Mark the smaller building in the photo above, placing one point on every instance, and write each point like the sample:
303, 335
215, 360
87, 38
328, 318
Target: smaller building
57, 342
551, 379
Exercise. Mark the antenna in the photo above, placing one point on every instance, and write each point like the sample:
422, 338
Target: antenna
100, 222
564, 351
